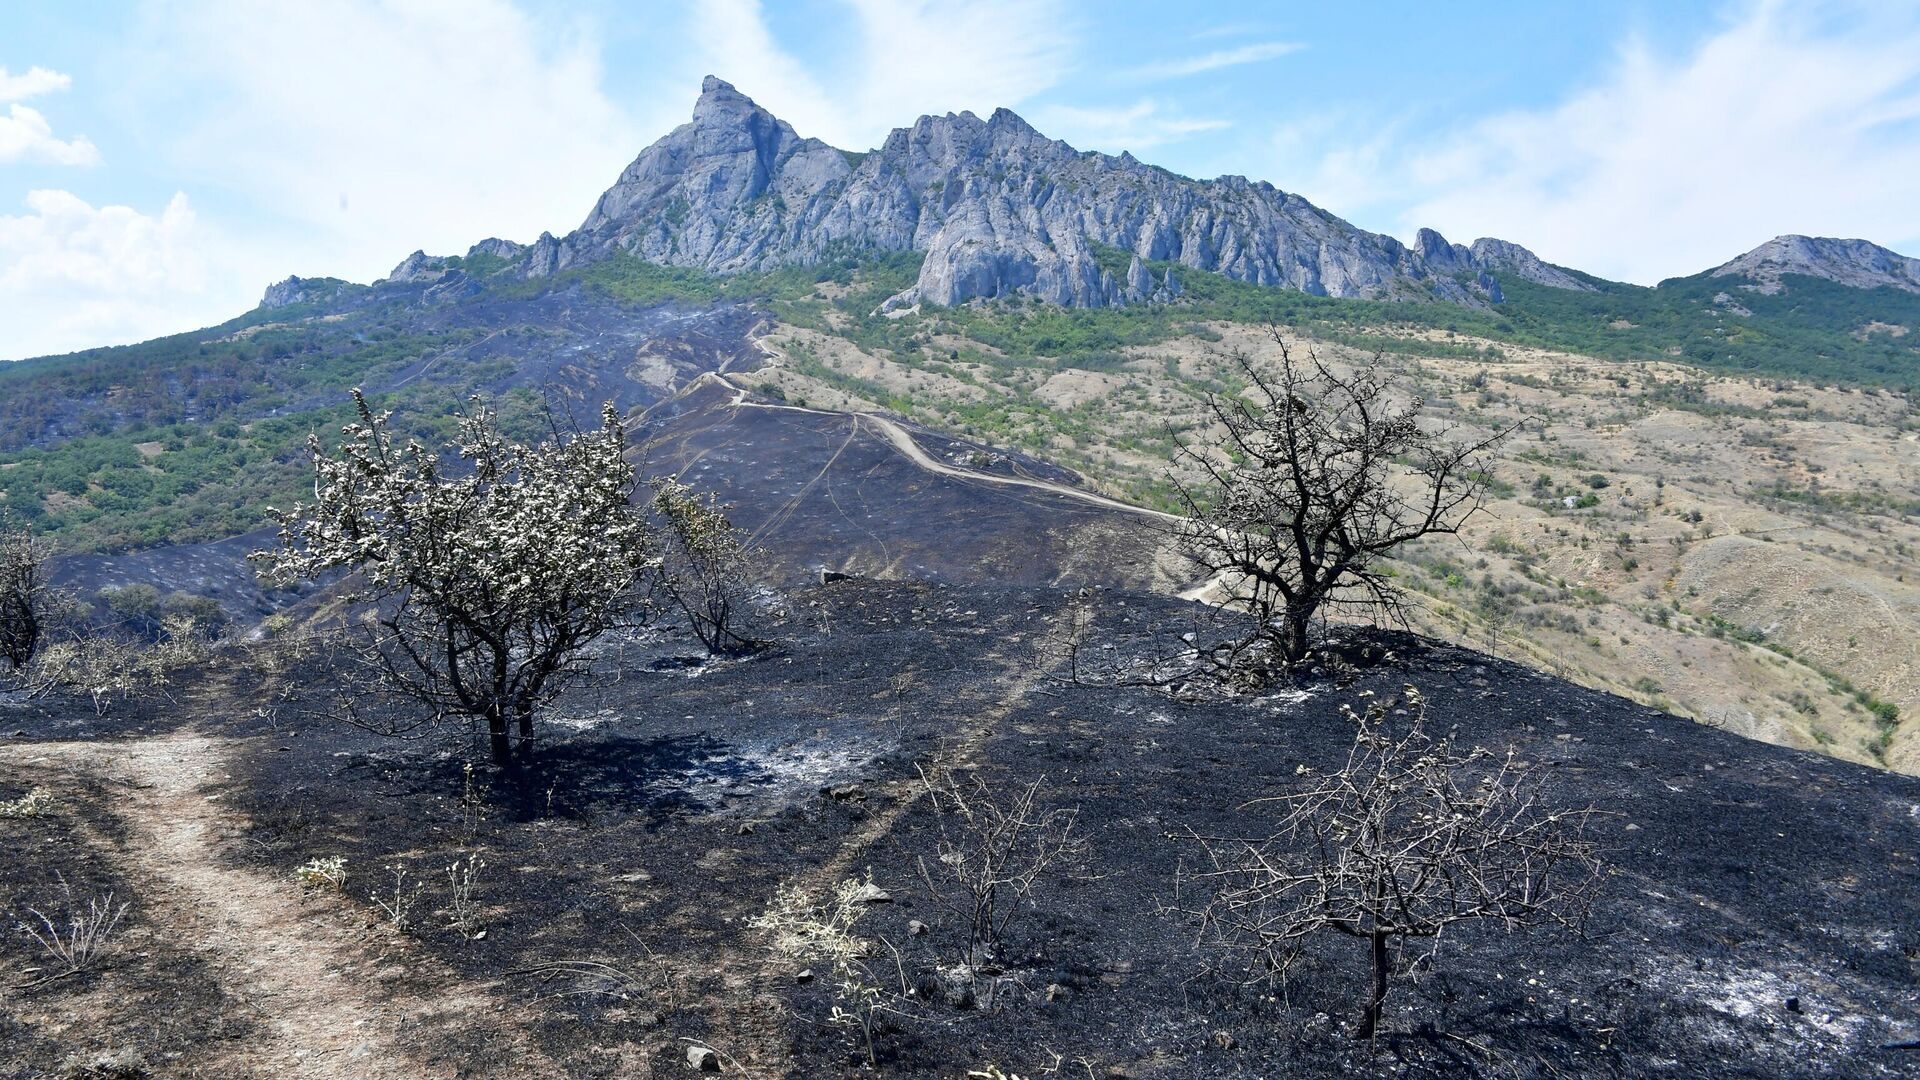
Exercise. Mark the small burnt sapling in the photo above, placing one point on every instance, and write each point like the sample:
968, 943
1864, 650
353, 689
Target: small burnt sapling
484, 583
23, 592
995, 846
705, 571
1319, 476
1408, 839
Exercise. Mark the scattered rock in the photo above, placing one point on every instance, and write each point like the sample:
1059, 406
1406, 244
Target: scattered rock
1056, 992
916, 928
869, 893
703, 1058
804, 977
956, 986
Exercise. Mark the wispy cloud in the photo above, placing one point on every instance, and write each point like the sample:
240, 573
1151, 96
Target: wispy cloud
372, 127
1141, 126
1182, 67
1780, 121
36, 81
25, 136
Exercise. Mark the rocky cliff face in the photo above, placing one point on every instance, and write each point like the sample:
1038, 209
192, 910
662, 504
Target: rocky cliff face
299, 290
1850, 262
997, 208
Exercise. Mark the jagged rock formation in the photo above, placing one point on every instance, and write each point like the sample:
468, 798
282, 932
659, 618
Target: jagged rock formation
997, 208
421, 267
299, 290
1490, 254
1849, 262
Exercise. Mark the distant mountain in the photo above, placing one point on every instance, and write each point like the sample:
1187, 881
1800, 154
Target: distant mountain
994, 208
997, 208
1854, 263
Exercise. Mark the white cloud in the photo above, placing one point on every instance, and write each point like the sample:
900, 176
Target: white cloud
1314, 156
1137, 127
36, 81
25, 136
73, 275
901, 59
1779, 122
363, 129
1254, 53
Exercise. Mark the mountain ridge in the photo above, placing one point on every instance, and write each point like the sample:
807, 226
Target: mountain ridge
998, 209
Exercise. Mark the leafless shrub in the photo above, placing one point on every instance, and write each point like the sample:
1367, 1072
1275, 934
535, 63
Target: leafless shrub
111, 670
463, 911
85, 937
994, 848
1407, 839
705, 568
398, 903
23, 592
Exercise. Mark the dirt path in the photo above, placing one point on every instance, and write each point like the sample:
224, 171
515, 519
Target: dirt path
903, 441
316, 983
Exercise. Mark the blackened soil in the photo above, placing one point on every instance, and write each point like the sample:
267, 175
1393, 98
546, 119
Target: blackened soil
1760, 917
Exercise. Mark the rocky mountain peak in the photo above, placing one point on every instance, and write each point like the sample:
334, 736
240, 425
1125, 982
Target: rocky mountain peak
1856, 263
720, 103
997, 208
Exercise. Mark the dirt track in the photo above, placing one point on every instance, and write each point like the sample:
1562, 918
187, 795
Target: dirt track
320, 983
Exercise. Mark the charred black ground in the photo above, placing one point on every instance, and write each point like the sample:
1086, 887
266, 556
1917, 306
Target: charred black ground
1759, 919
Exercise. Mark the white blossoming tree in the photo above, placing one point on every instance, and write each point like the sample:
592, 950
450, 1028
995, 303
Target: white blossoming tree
485, 581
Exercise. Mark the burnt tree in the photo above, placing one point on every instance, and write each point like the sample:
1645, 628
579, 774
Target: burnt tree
23, 592
1317, 478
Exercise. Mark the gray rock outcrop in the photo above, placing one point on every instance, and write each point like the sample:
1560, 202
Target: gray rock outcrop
1488, 254
299, 290
1857, 263
997, 208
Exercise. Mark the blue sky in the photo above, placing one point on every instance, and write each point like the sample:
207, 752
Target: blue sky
162, 161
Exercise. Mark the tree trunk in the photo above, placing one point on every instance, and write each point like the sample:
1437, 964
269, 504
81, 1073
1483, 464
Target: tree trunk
1297, 624
524, 714
1381, 970
497, 738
